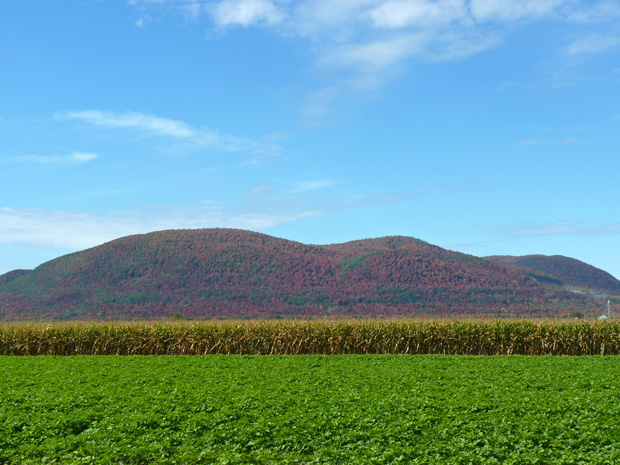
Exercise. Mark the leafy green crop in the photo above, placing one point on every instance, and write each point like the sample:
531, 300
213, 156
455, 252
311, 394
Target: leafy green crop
310, 409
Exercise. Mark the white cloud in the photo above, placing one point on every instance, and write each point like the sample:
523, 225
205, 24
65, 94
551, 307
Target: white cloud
337, 22
76, 158
594, 43
397, 14
458, 45
164, 127
575, 228
318, 103
316, 184
334, 20
144, 20
245, 13
192, 10
259, 191
510, 10
374, 56
526, 142
359, 67
81, 157
366, 66
601, 12
74, 230
359, 43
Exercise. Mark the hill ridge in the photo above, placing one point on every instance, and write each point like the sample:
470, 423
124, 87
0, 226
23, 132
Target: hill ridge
565, 271
234, 273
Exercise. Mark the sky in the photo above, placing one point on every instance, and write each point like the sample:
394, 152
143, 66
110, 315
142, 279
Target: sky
489, 127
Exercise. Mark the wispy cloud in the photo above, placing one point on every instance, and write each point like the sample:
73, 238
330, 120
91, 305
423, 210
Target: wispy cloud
101, 193
245, 13
595, 13
359, 43
259, 191
511, 10
144, 20
594, 43
533, 135
341, 22
262, 208
318, 104
375, 56
396, 14
192, 10
76, 158
459, 45
161, 126
74, 230
199, 138
566, 227
313, 185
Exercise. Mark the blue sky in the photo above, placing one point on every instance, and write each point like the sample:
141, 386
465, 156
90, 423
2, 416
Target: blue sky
483, 126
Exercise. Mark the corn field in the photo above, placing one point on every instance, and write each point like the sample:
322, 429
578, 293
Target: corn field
495, 337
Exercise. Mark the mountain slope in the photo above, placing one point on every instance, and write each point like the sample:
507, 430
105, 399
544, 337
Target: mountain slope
235, 273
563, 271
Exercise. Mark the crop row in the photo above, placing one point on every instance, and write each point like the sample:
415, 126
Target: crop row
497, 337
320, 410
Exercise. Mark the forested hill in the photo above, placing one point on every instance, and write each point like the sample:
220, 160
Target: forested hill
563, 271
234, 273
11, 275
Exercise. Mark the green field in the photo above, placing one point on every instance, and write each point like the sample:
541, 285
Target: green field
315, 409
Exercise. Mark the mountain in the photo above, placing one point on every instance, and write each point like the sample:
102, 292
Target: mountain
228, 273
563, 271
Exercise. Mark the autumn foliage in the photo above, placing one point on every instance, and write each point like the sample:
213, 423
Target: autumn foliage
226, 273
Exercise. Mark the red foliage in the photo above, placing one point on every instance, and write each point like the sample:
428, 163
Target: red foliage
234, 273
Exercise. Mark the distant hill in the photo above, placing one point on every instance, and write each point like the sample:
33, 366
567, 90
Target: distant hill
228, 273
563, 271
11, 275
